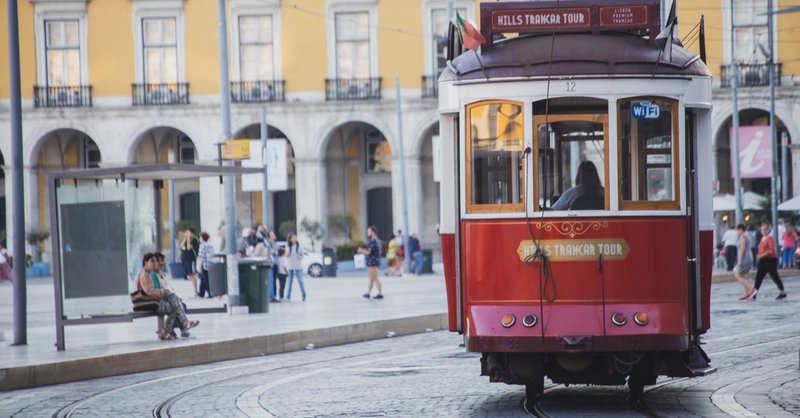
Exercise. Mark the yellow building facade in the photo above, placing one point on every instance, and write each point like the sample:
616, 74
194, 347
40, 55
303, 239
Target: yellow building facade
118, 82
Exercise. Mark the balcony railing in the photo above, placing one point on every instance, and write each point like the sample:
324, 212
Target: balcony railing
257, 91
62, 96
430, 88
160, 94
353, 88
749, 75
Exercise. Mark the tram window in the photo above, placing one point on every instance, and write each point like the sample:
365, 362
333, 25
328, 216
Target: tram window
494, 157
648, 153
563, 145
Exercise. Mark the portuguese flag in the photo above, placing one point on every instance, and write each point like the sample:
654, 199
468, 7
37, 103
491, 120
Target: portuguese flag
470, 37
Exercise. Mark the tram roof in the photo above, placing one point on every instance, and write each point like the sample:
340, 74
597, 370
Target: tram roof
573, 54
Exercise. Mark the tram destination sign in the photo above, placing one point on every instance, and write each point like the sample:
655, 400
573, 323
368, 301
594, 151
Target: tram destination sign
540, 19
641, 16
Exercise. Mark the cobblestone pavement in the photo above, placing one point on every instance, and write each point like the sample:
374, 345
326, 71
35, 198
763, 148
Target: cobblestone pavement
754, 345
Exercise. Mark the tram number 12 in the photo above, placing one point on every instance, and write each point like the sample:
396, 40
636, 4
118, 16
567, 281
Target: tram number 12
570, 86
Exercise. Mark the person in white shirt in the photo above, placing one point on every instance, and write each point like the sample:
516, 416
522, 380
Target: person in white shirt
730, 239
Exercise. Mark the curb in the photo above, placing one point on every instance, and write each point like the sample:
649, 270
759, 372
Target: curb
170, 357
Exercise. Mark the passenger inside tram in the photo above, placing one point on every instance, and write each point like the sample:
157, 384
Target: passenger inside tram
587, 194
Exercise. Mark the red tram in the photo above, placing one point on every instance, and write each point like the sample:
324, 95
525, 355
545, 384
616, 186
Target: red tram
610, 287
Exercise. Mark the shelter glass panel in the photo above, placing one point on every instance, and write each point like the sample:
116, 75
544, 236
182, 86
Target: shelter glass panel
98, 269
495, 165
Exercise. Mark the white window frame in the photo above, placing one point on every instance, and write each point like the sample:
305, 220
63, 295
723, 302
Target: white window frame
727, 32
352, 6
63, 10
154, 9
427, 9
240, 8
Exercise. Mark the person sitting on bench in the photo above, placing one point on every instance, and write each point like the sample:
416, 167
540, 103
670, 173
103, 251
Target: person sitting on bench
161, 260
169, 303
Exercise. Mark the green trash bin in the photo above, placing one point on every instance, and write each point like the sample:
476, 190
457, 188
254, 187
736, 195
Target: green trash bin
253, 291
427, 261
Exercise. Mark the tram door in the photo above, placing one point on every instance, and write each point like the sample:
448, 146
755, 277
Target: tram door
563, 143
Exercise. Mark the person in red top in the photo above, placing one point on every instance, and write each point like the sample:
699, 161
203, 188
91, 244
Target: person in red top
789, 246
767, 257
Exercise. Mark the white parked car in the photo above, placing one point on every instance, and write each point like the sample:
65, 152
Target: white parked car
312, 261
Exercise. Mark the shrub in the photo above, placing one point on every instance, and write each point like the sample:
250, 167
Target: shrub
347, 250
286, 228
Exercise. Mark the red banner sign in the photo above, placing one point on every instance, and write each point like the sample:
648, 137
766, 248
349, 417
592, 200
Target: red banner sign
623, 17
540, 19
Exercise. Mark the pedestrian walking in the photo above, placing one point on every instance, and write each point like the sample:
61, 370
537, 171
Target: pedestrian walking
788, 247
767, 263
744, 262
203, 258
294, 263
392, 262
189, 246
416, 254
730, 239
5, 266
373, 253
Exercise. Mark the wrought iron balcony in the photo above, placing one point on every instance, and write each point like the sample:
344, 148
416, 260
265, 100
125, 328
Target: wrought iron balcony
257, 91
62, 96
353, 88
160, 94
749, 75
430, 87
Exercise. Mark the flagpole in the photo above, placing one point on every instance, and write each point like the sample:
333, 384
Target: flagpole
773, 131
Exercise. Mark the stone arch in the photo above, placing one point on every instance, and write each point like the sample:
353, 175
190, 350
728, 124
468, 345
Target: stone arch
329, 129
749, 116
357, 160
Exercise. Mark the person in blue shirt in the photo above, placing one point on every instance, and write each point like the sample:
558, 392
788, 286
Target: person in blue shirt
416, 253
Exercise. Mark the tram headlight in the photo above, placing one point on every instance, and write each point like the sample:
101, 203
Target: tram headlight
619, 319
529, 320
641, 318
508, 320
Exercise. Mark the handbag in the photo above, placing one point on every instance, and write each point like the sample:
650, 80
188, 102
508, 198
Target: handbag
142, 302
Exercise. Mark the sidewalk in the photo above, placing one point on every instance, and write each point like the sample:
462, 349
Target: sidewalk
334, 313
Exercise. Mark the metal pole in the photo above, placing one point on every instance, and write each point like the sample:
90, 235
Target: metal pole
402, 172
450, 15
230, 181
737, 173
17, 193
265, 183
773, 131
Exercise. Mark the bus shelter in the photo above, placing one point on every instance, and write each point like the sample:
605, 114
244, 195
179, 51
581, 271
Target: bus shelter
103, 220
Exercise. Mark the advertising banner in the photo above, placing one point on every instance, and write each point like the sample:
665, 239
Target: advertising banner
755, 152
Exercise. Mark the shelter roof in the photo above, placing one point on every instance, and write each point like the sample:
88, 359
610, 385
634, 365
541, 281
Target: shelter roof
155, 172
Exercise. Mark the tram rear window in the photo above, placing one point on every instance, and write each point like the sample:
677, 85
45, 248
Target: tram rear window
494, 156
648, 153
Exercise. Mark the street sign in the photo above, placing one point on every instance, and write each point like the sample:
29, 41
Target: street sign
237, 149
